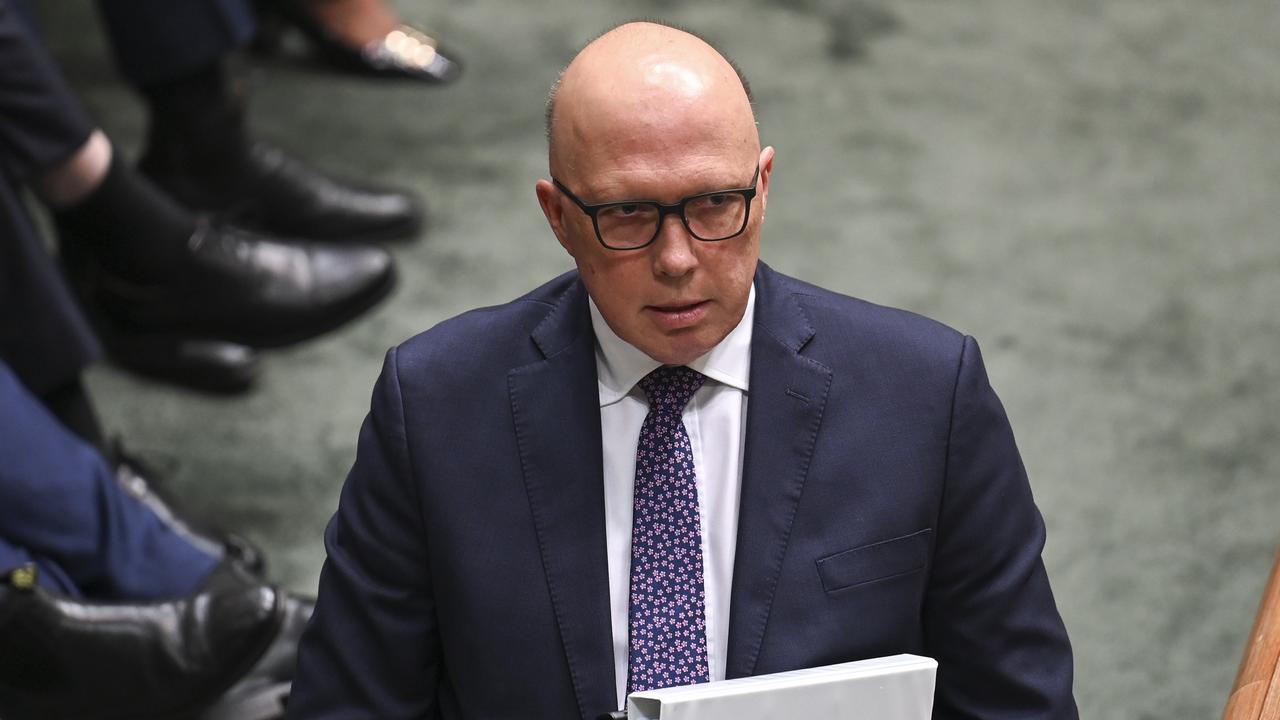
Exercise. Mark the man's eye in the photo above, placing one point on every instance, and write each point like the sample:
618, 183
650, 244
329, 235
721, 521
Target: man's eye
627, 213
717, 200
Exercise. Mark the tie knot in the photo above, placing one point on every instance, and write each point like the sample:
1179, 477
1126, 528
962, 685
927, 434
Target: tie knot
670, 387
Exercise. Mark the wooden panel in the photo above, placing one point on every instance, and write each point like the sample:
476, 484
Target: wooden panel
1271, 707
1256, 694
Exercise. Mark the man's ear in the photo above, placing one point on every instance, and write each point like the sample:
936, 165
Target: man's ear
766, 171
550, 200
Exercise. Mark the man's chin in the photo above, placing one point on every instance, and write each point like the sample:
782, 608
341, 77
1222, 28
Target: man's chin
679, 350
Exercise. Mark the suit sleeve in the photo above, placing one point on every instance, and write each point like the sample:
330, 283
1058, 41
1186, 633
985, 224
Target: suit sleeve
371, 648
990, 617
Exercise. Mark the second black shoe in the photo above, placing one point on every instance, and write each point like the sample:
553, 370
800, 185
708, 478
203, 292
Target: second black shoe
208, 364
238, 286
266, 189
226, 651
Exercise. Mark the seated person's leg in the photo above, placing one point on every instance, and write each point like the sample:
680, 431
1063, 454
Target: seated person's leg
183, 631
157, 41
43, 334
42, 124
60, 501
174, 294
198, 147
44, 337
48, 141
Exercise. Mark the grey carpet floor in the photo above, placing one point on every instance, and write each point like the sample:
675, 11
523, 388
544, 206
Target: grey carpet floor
1092, 189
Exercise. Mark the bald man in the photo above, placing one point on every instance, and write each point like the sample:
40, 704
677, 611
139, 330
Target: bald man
675, 465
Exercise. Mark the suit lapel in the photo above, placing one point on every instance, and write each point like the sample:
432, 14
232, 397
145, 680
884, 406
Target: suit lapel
788, 394
555, 404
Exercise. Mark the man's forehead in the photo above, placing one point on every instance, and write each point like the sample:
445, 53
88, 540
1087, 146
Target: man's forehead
644, 82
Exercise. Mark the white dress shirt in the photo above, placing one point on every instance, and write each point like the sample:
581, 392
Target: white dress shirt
715, 419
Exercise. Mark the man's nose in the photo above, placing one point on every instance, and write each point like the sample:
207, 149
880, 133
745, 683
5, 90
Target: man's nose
674, 254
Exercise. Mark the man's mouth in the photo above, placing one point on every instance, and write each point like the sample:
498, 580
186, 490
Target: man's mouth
678, 315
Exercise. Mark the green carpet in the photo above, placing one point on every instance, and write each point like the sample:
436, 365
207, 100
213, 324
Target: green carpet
1089, 188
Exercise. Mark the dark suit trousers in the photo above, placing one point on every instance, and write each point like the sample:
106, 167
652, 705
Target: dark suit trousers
157, 41
43, 335
62, 509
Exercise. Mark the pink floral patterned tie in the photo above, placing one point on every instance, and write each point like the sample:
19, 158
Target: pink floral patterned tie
668, 630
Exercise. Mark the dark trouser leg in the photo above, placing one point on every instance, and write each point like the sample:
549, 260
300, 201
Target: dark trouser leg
41, 122
43, 334
198, 148
174, 51
159, 41
60, 501
71, 406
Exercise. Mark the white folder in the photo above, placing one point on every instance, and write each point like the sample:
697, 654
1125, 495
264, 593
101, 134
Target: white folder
898, 687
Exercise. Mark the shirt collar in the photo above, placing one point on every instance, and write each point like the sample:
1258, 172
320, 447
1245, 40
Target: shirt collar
620, 365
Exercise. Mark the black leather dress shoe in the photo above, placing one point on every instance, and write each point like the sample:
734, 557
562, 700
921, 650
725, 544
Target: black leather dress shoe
261, 693
270, 191
230, 647
209, 364
238, 286
404, 53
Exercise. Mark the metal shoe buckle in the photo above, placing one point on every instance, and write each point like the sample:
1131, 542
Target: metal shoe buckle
23, 578
404, 46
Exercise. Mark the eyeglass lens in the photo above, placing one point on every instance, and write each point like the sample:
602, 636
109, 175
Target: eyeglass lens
710, 217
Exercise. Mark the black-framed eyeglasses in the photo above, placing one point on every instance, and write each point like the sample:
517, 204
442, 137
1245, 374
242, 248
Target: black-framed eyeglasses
634, 224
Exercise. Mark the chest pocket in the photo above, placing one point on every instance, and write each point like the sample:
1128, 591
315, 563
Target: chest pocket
878, 561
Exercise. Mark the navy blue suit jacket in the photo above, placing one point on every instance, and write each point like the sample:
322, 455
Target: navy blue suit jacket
884, 509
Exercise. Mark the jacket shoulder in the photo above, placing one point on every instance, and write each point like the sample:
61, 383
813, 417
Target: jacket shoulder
482, 340
847, 327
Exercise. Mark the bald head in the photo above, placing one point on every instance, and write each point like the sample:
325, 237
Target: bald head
648, 119
645, 85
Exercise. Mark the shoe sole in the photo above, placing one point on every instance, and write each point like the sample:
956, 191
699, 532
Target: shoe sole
177, 359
